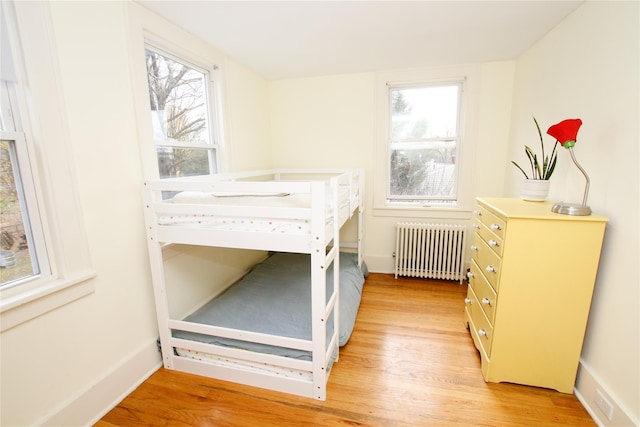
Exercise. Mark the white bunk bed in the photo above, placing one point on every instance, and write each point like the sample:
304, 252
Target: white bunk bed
288, 211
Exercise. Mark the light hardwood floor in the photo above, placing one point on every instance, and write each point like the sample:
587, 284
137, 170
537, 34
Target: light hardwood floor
410, 362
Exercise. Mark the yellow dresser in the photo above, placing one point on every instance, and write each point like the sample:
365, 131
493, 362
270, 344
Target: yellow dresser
530, 286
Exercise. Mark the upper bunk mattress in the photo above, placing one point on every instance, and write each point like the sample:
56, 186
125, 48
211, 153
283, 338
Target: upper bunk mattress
248, 221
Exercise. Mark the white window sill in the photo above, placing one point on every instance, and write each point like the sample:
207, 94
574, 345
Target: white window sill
24, 306
423, 212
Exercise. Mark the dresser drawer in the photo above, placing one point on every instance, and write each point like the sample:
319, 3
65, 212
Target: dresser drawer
488, 261
490, 220
480, 327
493, 240
484, 292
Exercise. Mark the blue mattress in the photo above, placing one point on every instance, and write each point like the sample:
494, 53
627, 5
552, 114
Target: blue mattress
275, 298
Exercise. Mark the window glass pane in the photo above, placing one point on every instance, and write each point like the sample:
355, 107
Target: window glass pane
423, 171
178, 97
424, 112
17, 259
6, 118
174, 162
423, 144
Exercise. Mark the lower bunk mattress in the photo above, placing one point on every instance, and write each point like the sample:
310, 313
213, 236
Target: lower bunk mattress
275, 298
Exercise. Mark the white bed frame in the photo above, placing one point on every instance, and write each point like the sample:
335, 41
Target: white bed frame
323, 244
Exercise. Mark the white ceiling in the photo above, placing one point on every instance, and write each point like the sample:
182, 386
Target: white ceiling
287, 39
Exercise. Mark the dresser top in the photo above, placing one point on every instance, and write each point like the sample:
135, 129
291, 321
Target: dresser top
518, 208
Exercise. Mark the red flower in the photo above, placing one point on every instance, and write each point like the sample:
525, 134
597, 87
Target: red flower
566, 132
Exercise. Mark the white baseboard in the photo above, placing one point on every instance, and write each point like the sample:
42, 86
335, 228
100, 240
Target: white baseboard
587, 384
92, 403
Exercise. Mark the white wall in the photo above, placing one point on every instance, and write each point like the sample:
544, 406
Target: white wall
68, 366
330, 121
587, 67
247, 136
323, 121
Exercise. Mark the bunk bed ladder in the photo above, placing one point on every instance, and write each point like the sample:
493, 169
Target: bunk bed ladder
321, 311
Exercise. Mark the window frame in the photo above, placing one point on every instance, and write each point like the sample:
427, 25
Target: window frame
429, 201
210, 93
467, 76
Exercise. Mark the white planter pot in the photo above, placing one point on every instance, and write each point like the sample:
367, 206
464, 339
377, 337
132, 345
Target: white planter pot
535, 190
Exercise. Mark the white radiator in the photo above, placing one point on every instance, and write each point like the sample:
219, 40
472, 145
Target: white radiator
430, 250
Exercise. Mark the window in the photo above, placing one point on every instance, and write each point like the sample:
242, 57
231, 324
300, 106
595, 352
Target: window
182, 123
45, 260
23, 254
423, 141
424, 129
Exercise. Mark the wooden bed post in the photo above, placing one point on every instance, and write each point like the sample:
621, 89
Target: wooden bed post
361, 184
157, 277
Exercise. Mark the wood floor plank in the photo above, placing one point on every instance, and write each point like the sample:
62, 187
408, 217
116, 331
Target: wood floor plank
410, 362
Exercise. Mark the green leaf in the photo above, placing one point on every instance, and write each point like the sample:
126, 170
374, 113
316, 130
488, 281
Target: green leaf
540, 135
540, 171
521, 170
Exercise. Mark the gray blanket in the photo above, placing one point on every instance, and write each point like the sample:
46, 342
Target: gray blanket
275, 298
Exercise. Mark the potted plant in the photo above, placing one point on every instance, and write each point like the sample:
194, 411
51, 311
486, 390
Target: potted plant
536, 186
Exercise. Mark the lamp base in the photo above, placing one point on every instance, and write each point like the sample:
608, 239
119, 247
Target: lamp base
575, 209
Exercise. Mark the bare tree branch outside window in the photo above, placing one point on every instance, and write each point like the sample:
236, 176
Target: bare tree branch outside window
423, 143
178, 101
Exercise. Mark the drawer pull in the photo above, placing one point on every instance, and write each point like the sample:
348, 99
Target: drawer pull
476, 226
490, 269
467, 300
483, 333
495, 227
470, 275
493, 243
486, 301
477, 213
474, 248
